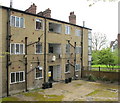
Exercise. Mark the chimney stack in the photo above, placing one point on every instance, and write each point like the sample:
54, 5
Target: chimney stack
72, 18
32, 9
46, 13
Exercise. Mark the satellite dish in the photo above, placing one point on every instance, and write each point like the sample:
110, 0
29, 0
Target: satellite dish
54, 58
40, 68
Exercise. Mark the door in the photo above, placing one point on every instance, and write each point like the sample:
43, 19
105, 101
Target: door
50, 73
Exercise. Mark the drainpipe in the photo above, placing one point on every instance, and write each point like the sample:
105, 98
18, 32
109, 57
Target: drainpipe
74, 60
82, 50
8, 50
26, 64
45, 52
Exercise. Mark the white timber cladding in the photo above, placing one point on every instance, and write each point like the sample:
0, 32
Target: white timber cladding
17, 21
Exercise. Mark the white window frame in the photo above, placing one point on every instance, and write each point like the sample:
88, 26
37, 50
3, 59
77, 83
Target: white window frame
67, 29
41, 21
19, 77
36, 48
69, 68
76, 67
42, 73
79, 52
77, 31
15, 21
19, 48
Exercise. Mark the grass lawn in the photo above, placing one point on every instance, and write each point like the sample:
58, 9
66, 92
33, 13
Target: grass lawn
104, 66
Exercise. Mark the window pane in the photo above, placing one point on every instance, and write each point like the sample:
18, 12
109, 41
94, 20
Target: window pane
12, 77
21, 76
17, 48
17, 21
38, 73
67, 68
38, 24
21, 48
12, 48
21, 22
12, 21
17, 77
67, 48
78, 32
38, 48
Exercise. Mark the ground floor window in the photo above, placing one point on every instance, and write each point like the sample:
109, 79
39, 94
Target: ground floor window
67, 68
16, 77
38, 72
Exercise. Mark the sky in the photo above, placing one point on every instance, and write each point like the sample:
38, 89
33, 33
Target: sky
101, 17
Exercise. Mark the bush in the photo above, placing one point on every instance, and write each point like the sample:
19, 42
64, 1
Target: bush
92, 78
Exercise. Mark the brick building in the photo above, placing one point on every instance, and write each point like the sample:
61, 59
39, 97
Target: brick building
37, 48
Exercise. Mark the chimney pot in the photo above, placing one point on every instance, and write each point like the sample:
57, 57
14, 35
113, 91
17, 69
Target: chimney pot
72, 18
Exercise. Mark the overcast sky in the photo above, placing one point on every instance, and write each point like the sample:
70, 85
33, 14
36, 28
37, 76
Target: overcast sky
101, 17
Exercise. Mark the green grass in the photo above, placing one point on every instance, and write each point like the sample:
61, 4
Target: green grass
40, 97
104, 69
104, 66
10, 99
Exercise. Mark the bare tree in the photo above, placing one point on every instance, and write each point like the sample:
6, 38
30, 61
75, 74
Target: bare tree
98, 41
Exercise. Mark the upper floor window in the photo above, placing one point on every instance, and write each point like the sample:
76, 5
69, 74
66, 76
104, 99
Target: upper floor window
77, 32
67, 29
54, 27
89, 34
38, 72
17, 48
78, 50
16, 77
67, 48
38, 48
17, 21
38, 24
77, 67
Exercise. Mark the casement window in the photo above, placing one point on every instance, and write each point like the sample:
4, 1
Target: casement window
89, 50
89, 42
16, 48
38, 48
77, 67
67, 48
16, 77
17, 21
78, 32
38, 72
89, 34
67, 29
78, 50
67, 68
38, 24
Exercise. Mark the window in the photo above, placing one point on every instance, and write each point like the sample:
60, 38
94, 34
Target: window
17, 77
17, 21
89, 50
89, 34
67, 48
67, 29
38, 24
78, 50
38, 48
38, 72
54, 27
89, 58
77, 32
67, 68
17, 48
89, 42
77, 67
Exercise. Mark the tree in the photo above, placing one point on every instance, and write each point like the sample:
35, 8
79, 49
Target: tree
98, 41
115, 56
106, 57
